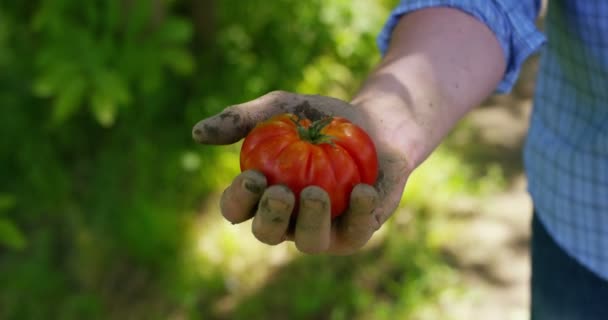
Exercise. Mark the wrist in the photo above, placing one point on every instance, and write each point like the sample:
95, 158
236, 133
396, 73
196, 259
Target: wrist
387, 121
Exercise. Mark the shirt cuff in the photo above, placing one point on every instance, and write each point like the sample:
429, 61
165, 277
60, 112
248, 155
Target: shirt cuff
514, 28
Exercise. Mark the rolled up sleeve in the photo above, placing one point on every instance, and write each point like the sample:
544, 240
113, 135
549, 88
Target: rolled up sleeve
512, 21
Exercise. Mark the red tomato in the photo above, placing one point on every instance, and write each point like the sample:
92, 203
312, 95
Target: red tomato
331, 153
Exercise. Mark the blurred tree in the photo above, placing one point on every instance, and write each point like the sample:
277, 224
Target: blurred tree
99, 177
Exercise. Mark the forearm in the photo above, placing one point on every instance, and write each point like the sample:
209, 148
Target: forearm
441, 63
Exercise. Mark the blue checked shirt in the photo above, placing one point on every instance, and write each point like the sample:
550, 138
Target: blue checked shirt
566, 152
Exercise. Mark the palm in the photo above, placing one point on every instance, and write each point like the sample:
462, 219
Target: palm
369, 208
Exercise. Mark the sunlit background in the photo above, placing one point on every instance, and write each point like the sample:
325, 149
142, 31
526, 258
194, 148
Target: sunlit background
108, 210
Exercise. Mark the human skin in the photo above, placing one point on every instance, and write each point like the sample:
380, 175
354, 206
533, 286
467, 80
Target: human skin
441, 63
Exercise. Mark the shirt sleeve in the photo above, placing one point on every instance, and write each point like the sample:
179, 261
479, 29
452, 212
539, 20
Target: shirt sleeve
512, 21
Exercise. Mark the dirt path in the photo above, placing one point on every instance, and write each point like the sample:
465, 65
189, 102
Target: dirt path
493, 258
492, 250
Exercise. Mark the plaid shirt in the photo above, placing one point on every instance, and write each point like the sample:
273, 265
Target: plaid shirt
566, 152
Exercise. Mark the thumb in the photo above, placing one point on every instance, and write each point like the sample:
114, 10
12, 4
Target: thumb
235, 122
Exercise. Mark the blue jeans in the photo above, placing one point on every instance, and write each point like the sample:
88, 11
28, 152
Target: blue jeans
562, 288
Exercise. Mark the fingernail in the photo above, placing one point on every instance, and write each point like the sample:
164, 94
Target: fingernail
197, 134
366, 201
252, 186
276, 205
314, 204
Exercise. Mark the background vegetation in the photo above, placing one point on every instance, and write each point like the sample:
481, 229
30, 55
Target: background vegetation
108, 210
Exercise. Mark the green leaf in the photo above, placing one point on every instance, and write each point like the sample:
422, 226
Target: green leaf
176, 30
181, 61
43, 88
68, 100
112, 12
111, 91
11, 236
104, 109
7, 202
54, 75
112, 85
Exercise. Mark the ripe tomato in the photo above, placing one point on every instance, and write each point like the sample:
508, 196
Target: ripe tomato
331, 153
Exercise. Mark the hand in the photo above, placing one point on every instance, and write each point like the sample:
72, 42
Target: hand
249, 196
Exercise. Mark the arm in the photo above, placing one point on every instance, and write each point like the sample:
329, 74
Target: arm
441, 62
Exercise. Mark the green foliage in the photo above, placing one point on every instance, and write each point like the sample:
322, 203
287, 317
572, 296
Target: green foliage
447, 176
94, 54
10, 235
100, 182
393, 280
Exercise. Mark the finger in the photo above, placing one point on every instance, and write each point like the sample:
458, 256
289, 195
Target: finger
233, 124
359, 223
313, 224
272, 218
239, 200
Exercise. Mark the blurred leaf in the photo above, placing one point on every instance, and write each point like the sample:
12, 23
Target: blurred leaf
47, 16
112, 14
176, 30
56, 76
68, 100
111, 85
104, 109
43, 88
110, 93
10, 235
181, 61
139, 13
7, 202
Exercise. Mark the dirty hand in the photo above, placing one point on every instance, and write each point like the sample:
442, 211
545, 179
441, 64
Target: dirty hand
249, 196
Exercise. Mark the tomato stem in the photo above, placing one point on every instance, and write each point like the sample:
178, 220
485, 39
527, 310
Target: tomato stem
313, 133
